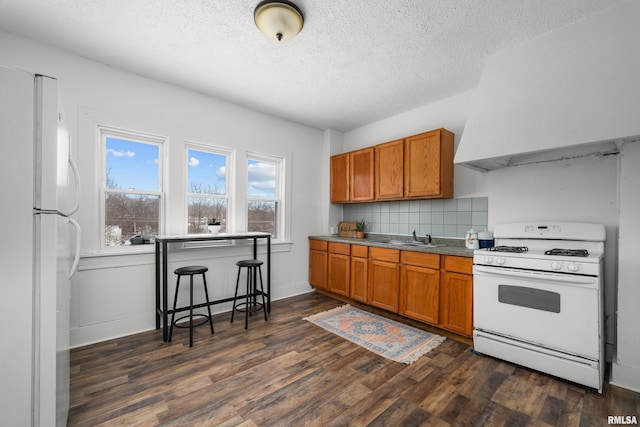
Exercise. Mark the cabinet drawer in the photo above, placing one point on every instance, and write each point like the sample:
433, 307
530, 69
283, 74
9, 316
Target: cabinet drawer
339, 248
359, 251
420, 259
458, 264
318, 245
391, 255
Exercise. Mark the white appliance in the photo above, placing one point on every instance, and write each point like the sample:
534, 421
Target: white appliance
39, 247
538, 299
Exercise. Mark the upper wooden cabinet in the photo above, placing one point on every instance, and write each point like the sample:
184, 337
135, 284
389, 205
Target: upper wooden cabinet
339, 178
416, 167
361, 175
428, 165
389, 170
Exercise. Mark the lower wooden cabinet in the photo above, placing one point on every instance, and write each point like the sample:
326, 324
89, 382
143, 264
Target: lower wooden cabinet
457, 295
420, 286
359, 272
339, 261
431, 288
384, 278
318, 263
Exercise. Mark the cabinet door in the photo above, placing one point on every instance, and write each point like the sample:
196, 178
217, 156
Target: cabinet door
361, 174
457, 302
389, 170
359, 276
420, 293
339, 180
338, 281
428, 164
384, 278
318, 268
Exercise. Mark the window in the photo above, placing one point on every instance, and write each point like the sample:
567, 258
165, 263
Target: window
264, 195
207, 189
131, 196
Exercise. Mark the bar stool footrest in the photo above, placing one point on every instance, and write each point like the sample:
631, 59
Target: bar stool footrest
252, 307
202, 319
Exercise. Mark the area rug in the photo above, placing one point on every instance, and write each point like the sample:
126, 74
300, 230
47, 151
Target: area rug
385, 337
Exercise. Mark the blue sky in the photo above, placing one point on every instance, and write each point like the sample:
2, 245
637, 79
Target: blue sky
133, 165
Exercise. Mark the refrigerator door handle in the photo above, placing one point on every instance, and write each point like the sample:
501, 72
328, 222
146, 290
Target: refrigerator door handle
76, 176
76, 258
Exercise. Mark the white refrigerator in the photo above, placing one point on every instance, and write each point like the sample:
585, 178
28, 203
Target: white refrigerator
39, 247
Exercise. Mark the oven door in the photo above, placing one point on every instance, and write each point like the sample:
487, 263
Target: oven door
557, 311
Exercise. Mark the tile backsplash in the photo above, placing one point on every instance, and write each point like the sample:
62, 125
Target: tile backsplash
440, 218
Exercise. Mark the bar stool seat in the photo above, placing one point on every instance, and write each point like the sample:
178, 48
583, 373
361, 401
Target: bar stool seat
250, 304
203, 318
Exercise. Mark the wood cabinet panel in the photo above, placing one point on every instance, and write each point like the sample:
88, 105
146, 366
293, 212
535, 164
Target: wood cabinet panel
428, 165
420, 259
389, 170
458, 264
318, 268
457, 295
340, 248
359, 278
338, 274
420, 293
361, 175
339, 179
360, 251
384, 284
318, 245
383, 254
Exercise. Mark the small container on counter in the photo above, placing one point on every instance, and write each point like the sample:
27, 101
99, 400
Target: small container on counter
485, 239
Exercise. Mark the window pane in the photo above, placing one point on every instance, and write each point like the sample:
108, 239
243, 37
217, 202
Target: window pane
131, 165
203, 209
130, 215
262, 216
207, 173
262, 180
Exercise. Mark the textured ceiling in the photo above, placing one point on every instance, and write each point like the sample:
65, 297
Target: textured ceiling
354, 62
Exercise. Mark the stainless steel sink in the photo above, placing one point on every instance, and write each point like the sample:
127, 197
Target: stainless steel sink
412, 243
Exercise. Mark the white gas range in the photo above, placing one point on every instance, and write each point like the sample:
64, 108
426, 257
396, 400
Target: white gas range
538, 299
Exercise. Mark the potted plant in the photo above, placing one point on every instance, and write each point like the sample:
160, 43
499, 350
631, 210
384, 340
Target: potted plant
360, 228
213, 226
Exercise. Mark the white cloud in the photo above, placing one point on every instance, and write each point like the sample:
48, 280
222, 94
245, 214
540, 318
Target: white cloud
116, 153
222, 172
262, 179
193, 161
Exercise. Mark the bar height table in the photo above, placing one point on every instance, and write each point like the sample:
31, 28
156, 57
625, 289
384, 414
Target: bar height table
162, 247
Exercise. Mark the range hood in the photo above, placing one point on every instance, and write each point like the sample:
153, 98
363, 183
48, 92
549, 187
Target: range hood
572, 92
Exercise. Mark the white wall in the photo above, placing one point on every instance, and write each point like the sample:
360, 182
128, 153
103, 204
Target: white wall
113, 295
626, 366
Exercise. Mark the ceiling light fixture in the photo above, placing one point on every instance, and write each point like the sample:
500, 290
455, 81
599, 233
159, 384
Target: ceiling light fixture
278, 20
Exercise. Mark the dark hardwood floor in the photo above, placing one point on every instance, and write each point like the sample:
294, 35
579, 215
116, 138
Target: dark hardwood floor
288, 372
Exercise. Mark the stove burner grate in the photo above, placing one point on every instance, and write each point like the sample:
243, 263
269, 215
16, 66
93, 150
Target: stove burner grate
568, 252
514, 249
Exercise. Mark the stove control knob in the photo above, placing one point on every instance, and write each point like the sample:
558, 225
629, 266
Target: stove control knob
573, 267
500, 260
488, 259
556, 265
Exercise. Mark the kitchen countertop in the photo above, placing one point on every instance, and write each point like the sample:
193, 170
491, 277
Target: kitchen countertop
454, 247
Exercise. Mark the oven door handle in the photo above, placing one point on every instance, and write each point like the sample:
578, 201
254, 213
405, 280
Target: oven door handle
535, 275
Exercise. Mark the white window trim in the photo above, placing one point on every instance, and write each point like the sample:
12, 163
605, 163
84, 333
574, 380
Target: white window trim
134, 136
283, 175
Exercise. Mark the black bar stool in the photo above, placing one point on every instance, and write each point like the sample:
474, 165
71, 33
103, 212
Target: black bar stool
190, 271
250, 304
